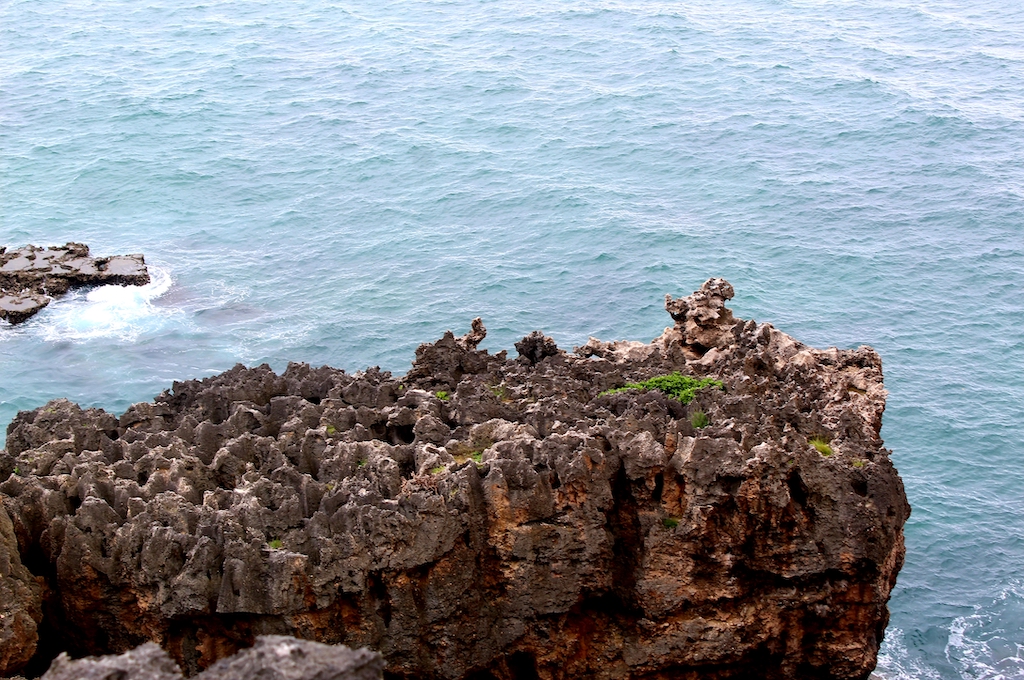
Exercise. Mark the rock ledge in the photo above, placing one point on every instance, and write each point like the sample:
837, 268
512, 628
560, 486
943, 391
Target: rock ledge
31, 276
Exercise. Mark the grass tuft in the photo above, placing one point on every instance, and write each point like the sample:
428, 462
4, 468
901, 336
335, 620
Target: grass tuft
670, 522
276, 544
699, 419
442, 395
821, 444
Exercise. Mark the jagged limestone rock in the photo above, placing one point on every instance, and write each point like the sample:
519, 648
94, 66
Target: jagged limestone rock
521, 524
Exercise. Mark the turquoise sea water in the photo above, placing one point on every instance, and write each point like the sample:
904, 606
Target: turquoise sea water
337, 182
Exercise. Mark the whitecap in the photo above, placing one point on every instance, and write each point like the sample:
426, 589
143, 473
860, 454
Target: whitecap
989, 644
116, 312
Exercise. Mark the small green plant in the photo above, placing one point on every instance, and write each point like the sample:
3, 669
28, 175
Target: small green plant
500, 391
858, 463
676, 385
17, 470
276, 544
362, 462
821, 444
442, 395
331, 429
699, 419
473, 450
670, 522
330, 486
435, 470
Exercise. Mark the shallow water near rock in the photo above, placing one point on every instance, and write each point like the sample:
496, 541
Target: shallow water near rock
336, 184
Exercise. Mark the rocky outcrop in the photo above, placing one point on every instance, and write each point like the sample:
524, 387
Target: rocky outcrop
485, 517
273, 657
31, 276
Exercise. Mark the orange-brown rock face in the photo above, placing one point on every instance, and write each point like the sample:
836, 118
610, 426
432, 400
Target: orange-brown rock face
485, 517
20, 603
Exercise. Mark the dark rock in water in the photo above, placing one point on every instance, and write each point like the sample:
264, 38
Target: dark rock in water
484, 517
31, 276
273, 657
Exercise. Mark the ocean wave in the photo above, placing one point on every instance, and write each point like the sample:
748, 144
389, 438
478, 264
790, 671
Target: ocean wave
985, 645
121, 313
989, 644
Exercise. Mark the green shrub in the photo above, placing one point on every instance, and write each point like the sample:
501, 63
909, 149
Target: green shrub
276, 544
820, 442
670, 522
442, 395
858, 463
435, 470
331, 429
676, 385
699, 419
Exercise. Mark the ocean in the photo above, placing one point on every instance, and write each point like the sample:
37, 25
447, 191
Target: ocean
338, 182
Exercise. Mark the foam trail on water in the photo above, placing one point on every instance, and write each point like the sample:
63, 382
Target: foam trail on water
119, 312
989, 645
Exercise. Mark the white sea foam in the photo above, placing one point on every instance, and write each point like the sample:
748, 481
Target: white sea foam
896, 663
116, 312
989, 645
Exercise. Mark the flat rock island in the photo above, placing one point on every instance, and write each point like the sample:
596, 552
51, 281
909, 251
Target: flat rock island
714, 504
30, 277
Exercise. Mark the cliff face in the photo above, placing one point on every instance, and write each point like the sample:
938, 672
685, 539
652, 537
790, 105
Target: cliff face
485, 517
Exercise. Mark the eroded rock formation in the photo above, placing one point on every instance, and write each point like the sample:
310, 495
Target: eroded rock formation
484, 517
31, 276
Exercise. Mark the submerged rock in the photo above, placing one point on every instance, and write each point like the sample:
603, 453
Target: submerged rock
31, 276
485, 517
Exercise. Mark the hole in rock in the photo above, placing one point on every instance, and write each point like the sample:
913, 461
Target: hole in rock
797, 488
555, 481
522, 666
860, 487
659, 487
401, 434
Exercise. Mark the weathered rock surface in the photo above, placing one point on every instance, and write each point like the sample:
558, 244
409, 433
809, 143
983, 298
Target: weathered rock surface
276, 657
20, 601
483, 517
31, 276
273, 657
